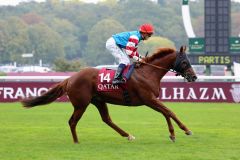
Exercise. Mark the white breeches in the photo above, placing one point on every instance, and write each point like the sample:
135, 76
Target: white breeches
119, 54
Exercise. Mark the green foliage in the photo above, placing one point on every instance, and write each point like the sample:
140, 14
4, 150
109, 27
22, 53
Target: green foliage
68, 33
96, 52
15, 39
32, 18
63, 65
2, 74
162, 2
73, 29
45, 43
153, 43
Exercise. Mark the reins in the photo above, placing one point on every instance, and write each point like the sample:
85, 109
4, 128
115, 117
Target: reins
159, 67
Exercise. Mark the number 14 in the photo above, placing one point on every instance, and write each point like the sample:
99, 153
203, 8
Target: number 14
104, 77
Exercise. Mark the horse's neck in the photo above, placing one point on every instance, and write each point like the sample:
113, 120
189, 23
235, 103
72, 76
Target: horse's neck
163, 65
151, 73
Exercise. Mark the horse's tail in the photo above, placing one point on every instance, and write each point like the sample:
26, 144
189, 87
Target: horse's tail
57, 91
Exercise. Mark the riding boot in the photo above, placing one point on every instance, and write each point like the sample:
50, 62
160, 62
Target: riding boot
118, 79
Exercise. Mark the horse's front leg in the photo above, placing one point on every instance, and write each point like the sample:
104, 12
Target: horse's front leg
155, 104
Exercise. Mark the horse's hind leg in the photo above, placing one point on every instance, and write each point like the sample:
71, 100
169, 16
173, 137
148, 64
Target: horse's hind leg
80, 104
103, 110
77, 114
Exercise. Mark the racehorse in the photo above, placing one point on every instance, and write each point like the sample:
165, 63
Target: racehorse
143, 88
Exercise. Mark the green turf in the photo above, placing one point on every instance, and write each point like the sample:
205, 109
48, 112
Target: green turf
42, 133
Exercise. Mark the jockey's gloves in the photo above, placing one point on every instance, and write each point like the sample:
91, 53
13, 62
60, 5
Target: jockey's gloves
137, 58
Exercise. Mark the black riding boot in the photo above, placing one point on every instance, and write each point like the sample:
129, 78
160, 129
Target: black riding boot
118, 75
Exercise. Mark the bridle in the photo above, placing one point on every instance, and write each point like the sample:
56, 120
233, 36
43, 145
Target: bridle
181, 58
176, 67
180, 67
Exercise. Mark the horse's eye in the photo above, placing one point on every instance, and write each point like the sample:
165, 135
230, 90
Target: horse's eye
184, 64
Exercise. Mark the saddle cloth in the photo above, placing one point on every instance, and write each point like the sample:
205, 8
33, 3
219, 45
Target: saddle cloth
106, 76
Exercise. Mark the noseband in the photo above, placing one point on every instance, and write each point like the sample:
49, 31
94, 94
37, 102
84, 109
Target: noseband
181, 58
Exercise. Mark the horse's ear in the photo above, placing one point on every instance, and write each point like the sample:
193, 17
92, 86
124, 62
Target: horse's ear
183, 49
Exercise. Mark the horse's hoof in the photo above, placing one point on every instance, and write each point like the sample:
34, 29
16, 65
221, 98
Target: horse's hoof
172, 138
131, 138
189, 133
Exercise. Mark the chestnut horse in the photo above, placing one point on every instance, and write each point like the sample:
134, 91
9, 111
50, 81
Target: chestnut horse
143, 88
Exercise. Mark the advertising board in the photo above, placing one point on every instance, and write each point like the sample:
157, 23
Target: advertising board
228, 92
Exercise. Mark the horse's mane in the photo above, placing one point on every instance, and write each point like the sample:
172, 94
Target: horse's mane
159, 53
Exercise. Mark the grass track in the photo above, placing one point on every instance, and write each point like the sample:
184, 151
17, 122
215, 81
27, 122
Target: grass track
42, 133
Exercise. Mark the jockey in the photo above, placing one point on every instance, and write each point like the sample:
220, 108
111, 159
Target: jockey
123, 47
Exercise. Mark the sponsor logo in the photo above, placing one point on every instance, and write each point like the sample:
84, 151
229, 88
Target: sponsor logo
197, 92
204, 94
17, 93
103, 87
235, 91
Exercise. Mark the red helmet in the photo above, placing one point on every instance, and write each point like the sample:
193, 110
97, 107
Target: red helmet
146, 28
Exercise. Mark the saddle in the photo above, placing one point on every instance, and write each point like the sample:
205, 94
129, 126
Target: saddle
106, 76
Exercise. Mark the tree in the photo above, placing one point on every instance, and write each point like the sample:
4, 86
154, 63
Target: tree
15, 39
161, 2
45, 43
62, 65
69, 33
198, 25
32, 18
3, 42
68, 25
153, 43
96, 52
